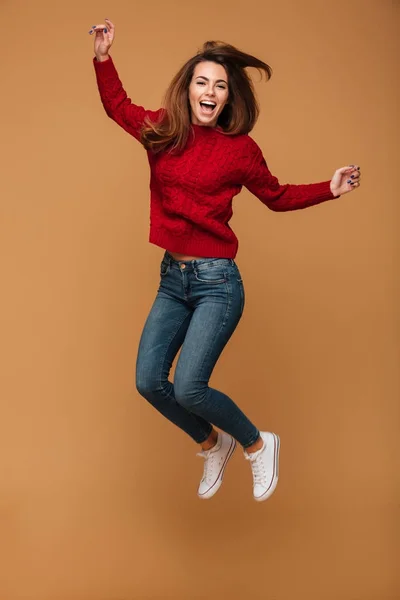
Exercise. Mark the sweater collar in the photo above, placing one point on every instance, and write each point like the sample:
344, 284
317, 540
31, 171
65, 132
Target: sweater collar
205, 129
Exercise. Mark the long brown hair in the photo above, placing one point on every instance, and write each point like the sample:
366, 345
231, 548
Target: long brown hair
239, 114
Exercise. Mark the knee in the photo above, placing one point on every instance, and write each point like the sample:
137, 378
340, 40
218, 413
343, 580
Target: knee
146, 384
151, 385
142, 386
189, 393
147, 375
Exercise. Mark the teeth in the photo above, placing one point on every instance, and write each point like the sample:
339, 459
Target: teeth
208, 103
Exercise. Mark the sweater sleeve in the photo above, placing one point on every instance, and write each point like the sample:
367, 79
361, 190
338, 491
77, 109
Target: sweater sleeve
260, 182
116, 103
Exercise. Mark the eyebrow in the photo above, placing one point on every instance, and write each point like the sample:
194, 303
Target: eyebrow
206, 78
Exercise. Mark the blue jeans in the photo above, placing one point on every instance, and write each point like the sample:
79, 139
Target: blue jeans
197, 308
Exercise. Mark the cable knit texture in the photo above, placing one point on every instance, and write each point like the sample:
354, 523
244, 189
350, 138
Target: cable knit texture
191, 193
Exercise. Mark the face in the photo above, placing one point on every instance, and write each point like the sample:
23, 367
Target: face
208, 93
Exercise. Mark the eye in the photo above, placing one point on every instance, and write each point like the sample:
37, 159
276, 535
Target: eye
201, 83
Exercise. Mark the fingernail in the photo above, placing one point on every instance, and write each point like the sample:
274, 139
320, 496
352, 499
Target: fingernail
349, 181
105, 30
352, 176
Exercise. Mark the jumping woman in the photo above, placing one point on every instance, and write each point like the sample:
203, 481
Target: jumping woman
200, 156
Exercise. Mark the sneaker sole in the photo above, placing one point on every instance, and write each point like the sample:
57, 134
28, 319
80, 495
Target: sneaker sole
275, 476
215, 487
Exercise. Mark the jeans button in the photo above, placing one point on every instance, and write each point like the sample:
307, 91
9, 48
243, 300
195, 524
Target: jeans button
183, 266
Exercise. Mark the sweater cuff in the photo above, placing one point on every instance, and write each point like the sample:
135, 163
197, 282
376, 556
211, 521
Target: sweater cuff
325, 190
103, 66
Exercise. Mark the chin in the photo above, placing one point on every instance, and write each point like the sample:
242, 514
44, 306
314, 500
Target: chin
207, 123
201, 120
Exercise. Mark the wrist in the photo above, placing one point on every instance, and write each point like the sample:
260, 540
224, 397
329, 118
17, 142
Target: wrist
334, 190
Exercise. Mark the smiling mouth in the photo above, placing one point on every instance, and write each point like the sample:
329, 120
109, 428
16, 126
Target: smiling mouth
208, 107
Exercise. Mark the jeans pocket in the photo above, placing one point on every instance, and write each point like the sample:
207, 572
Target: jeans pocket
210, 276
242, 294
164, 268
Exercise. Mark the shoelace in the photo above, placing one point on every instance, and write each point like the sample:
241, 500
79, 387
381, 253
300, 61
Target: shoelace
208, 464
257, 467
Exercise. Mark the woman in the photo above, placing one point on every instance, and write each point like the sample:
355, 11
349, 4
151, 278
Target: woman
200, 156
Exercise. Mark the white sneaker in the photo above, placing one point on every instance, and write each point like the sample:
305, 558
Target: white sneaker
216, 460
265, 466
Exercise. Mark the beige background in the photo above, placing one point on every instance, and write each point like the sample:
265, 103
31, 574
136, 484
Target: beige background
98, 492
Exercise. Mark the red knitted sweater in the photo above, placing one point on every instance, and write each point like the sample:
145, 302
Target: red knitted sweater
191, 193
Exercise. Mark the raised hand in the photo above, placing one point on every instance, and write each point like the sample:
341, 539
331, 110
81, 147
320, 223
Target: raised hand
104, 38
345, 180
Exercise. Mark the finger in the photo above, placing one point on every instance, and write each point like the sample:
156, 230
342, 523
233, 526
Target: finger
111, 29
110, 24
345, 169
354, 177
97, 28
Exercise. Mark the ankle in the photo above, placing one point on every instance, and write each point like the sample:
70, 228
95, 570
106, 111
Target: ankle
256, 446
210, 441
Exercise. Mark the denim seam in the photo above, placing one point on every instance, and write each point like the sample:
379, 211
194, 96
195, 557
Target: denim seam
224, 321
165, 355
167, 394
241, 286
